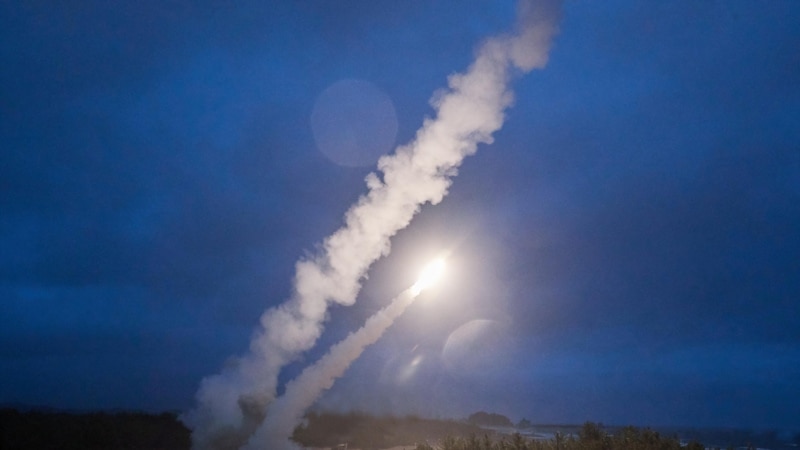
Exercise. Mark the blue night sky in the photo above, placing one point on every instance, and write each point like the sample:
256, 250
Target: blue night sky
626, 251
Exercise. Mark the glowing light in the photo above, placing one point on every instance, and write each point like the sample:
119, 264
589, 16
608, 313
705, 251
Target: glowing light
428, 276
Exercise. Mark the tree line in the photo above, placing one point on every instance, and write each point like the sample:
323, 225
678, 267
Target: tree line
30, 430
591, 436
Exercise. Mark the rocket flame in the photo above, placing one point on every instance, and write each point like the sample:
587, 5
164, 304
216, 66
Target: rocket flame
429, 275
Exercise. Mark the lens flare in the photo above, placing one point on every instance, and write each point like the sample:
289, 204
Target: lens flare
428, 276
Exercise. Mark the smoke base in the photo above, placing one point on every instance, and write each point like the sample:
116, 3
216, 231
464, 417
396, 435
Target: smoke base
286, 412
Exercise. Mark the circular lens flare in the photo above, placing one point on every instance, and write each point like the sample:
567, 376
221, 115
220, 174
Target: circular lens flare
430, 273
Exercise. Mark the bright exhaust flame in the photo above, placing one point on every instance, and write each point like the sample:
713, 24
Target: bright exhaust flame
429, 275
286, 412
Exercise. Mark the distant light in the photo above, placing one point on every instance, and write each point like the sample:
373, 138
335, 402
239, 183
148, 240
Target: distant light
430, 273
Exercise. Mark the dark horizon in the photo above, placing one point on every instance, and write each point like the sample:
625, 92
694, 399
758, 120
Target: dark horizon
90, 429
788, 432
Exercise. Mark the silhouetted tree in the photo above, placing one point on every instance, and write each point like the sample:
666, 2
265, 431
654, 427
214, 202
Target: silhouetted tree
694, 445
489, 419
518, 442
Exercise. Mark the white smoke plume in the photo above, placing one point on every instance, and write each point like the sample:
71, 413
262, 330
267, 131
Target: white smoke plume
287, 411
232, 404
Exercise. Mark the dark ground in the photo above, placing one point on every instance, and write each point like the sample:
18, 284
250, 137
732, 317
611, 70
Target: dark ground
33, 430
57, 430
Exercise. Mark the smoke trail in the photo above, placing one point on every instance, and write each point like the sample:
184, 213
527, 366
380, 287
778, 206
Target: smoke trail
231, 404
286, 412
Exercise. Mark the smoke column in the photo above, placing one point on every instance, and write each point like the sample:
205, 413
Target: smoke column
286, 412
232, 404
